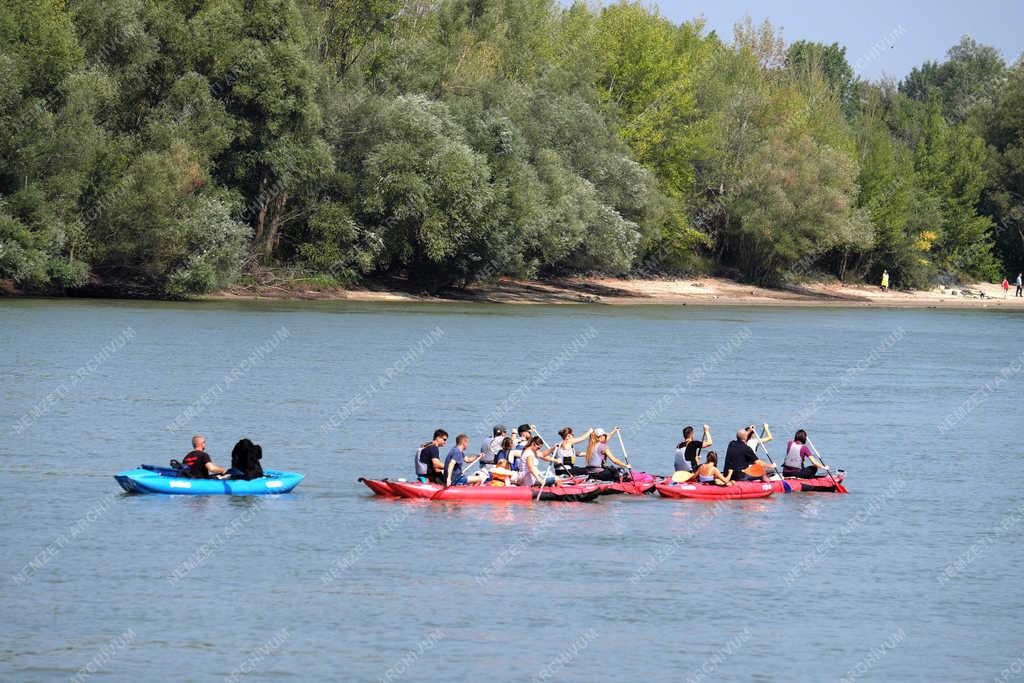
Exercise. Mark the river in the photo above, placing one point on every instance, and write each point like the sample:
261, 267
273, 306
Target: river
913, 576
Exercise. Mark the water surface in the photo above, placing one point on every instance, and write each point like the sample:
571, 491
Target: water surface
913, 576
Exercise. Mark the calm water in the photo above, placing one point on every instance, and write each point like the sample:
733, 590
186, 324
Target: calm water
915, 575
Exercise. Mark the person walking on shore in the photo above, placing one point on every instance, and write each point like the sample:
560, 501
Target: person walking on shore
885, 280
1006, 287
1020, 285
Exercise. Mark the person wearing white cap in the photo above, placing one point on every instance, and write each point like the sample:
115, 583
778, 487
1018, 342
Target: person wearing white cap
598, 454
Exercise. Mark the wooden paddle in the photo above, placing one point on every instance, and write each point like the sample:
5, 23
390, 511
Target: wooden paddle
839, 486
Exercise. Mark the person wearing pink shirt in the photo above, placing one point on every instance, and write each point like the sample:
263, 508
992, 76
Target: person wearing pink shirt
797, 455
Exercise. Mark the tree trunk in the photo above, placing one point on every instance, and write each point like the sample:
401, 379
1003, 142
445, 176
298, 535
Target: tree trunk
274, 229
261, 216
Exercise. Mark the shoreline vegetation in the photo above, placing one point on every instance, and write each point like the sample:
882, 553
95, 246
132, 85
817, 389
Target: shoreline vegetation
154, 149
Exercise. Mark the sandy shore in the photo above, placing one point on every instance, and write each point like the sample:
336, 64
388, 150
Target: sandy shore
698, 291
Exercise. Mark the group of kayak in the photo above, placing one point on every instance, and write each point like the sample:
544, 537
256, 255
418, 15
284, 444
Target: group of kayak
741, 460
516, 460
524, 466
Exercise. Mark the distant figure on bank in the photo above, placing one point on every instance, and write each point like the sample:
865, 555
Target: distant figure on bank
885, 280
1006, 287
198, 463
1020, 285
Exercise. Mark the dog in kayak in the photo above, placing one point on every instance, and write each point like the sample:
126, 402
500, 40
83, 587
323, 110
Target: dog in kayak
245, 461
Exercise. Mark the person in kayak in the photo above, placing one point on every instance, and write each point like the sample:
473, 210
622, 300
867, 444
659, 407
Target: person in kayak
754, 441
741, 463
506, 453
708, 473
529, 475
797, 454
687, 452
490, 447
599, 454
565, 451
429, 468
198, 463
457, 460
502, 474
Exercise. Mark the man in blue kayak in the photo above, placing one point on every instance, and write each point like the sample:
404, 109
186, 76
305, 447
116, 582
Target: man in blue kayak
198, 462
456, 460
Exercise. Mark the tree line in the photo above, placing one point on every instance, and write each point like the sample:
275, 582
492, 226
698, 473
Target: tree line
173, 147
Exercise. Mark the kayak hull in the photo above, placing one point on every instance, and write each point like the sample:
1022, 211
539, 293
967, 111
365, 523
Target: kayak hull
632, 488
152, 479
380, 487
816, 485
739, 490
495, 494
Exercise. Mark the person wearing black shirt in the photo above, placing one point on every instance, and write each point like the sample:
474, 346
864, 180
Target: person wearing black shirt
198, 462
687, 452
428, 463
739, 456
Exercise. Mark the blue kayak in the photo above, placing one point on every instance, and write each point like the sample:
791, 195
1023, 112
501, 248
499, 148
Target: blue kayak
152, 479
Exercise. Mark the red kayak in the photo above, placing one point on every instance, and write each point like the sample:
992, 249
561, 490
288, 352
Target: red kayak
491, 494
815, 485
633, 488
380, 487
739, 489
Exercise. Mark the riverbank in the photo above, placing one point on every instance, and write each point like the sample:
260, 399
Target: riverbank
704, 291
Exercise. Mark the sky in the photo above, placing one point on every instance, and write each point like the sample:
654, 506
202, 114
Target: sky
882, 37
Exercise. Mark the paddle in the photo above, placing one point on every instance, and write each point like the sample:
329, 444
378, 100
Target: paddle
543, 483
625, 455
839, 486
785, 486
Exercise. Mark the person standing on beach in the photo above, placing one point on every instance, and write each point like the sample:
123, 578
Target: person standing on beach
885, 280
1020, 285
1006, 287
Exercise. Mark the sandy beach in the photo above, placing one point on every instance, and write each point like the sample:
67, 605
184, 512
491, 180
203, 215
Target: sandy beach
704, 291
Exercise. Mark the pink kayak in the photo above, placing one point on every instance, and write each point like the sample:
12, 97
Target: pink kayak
633, 488
815, 485
739, 489
489, 494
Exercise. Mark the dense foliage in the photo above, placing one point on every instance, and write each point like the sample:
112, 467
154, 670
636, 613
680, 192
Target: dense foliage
171, 146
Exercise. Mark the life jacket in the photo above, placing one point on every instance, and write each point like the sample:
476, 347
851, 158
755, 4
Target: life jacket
191, 464
421, 467
794, 455
500, 476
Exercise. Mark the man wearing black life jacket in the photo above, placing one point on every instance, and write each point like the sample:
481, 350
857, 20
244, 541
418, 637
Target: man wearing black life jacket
198, 462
